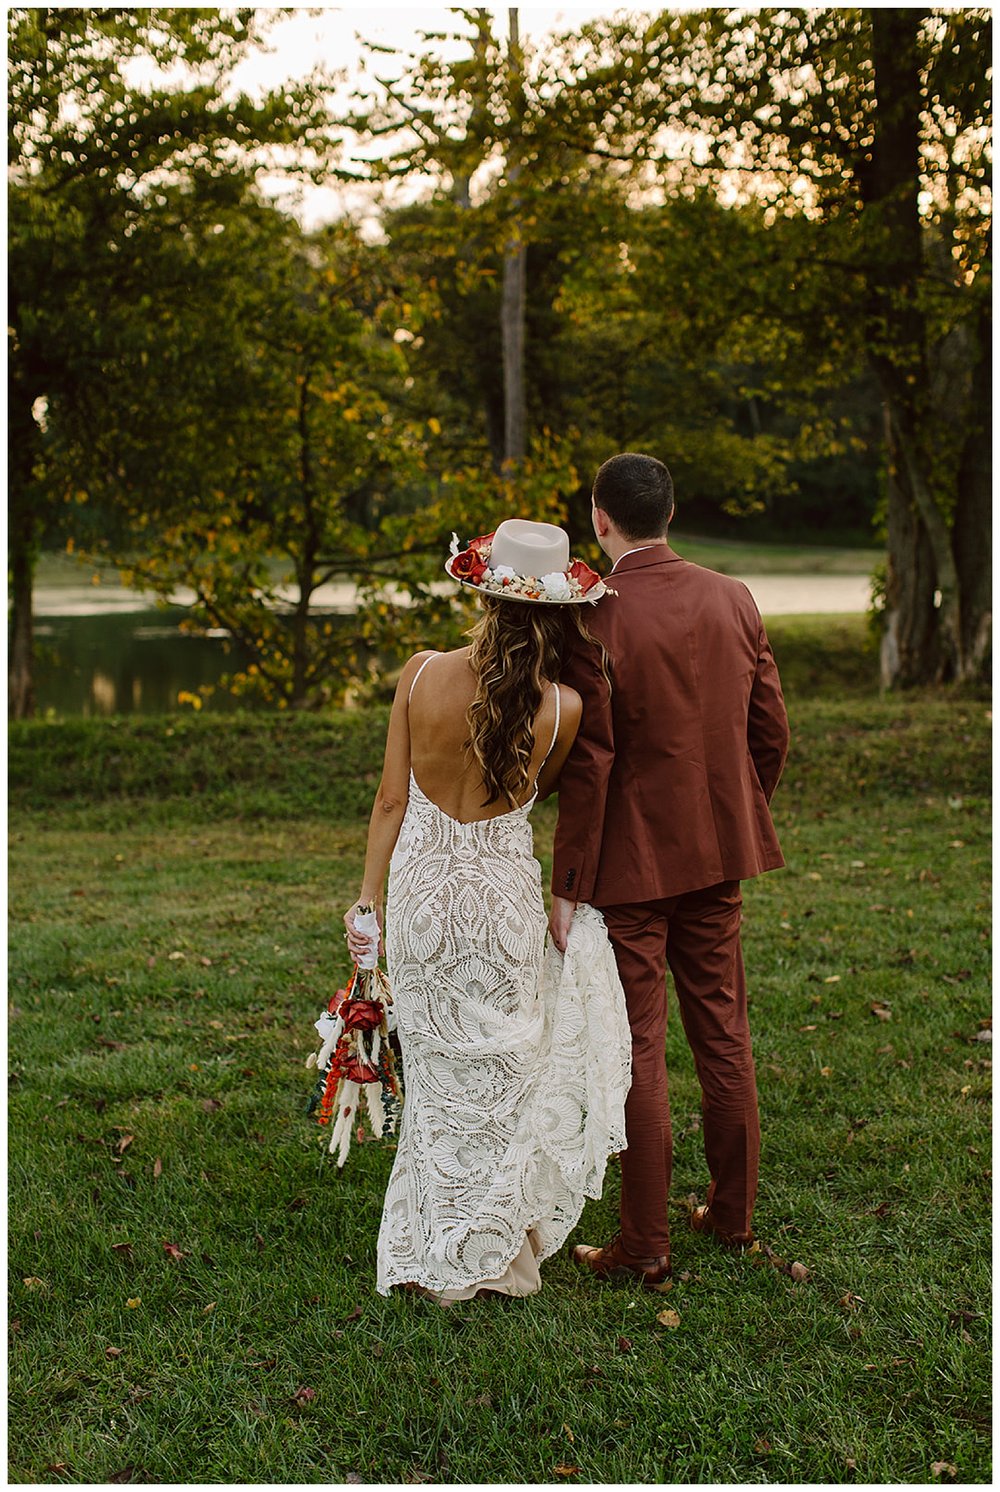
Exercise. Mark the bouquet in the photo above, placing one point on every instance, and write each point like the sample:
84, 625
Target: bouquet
355, 1062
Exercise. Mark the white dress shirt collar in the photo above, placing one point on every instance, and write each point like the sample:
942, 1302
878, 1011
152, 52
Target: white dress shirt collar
638, 550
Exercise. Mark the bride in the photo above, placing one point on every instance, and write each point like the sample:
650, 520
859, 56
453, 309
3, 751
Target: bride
516, 1060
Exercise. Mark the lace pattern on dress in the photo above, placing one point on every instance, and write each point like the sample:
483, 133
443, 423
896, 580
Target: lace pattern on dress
517, 1062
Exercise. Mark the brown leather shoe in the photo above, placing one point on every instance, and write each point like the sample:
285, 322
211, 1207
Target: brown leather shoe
613, 1262
702, 1221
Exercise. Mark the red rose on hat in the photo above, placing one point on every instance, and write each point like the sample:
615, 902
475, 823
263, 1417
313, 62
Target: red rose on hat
583, 575
483, 544
470, 564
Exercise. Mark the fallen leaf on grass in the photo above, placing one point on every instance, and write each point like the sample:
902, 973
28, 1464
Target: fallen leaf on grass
210, 1307
668, 1318
172, 1251
124, 1143
112, 1352
569, 1434
157, 1168
211, 1104
880, 1011
57, 1468
762, 1447
303, 1395
946, 1470
127, 1474
354, 1315
123, 1248
134, 1302
354, 1479
958, 1319
563, 1469
850, 1301
624, 1344
32, 1282
796, 1270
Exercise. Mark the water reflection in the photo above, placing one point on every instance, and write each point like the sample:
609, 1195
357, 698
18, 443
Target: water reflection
124, 664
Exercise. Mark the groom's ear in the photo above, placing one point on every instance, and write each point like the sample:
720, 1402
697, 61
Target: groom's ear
602, 523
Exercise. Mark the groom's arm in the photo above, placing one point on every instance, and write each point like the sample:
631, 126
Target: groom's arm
583, 782
767, 719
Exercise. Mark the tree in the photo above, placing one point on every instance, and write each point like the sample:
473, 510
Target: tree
874, 126
91, 152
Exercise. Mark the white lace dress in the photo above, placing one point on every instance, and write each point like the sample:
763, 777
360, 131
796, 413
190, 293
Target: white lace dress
516, 1061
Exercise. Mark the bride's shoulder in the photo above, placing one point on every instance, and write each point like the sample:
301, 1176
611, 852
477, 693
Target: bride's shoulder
449, 670
570, 709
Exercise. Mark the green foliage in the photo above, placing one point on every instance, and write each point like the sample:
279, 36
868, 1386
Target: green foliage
115, 196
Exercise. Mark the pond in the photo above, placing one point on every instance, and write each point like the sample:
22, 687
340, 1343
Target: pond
126, 663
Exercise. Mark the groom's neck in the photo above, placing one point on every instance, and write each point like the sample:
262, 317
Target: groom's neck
615, 546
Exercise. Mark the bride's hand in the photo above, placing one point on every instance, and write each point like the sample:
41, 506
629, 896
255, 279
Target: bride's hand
560, 920
358, 943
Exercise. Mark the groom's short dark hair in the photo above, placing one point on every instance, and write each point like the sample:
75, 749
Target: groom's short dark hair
637, 493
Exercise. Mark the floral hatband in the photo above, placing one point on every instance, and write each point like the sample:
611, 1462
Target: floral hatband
571, 586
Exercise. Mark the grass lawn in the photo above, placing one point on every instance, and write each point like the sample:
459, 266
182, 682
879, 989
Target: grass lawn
175, 906
750, 557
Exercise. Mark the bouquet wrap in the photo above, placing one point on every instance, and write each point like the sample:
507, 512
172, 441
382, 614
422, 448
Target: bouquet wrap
355, 1062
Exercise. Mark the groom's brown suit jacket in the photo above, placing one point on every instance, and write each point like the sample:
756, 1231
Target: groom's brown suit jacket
666, 788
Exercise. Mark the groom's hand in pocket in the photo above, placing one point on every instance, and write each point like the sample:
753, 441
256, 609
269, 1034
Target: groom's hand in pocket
560, 920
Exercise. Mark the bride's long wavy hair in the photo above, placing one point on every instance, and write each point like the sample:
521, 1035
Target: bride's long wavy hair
517, 650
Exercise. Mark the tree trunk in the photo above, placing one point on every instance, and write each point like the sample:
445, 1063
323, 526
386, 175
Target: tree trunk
922, 640
909, 648
972, 539
22, 540
512, 314
21, 666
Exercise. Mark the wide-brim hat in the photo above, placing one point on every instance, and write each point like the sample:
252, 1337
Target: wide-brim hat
525, 561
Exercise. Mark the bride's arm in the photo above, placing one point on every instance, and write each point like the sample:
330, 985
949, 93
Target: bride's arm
390, 805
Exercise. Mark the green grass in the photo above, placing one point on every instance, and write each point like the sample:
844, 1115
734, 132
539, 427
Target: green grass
749, 557
169, 954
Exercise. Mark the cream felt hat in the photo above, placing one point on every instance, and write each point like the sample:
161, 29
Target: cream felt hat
525, 561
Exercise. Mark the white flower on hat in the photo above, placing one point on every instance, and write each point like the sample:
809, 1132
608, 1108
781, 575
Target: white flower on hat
504, 572
455, 544
557, 587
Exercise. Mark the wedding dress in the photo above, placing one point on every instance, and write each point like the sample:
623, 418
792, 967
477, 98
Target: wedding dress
516, 1061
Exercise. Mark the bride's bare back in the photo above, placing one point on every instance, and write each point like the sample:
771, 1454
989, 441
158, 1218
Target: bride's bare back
440, 760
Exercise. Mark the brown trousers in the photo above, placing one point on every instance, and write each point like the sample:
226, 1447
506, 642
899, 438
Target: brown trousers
698, 935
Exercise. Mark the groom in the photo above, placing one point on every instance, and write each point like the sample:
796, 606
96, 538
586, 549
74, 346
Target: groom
663, 810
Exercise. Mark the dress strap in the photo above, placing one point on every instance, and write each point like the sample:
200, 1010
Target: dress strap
555, 733
417, 675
